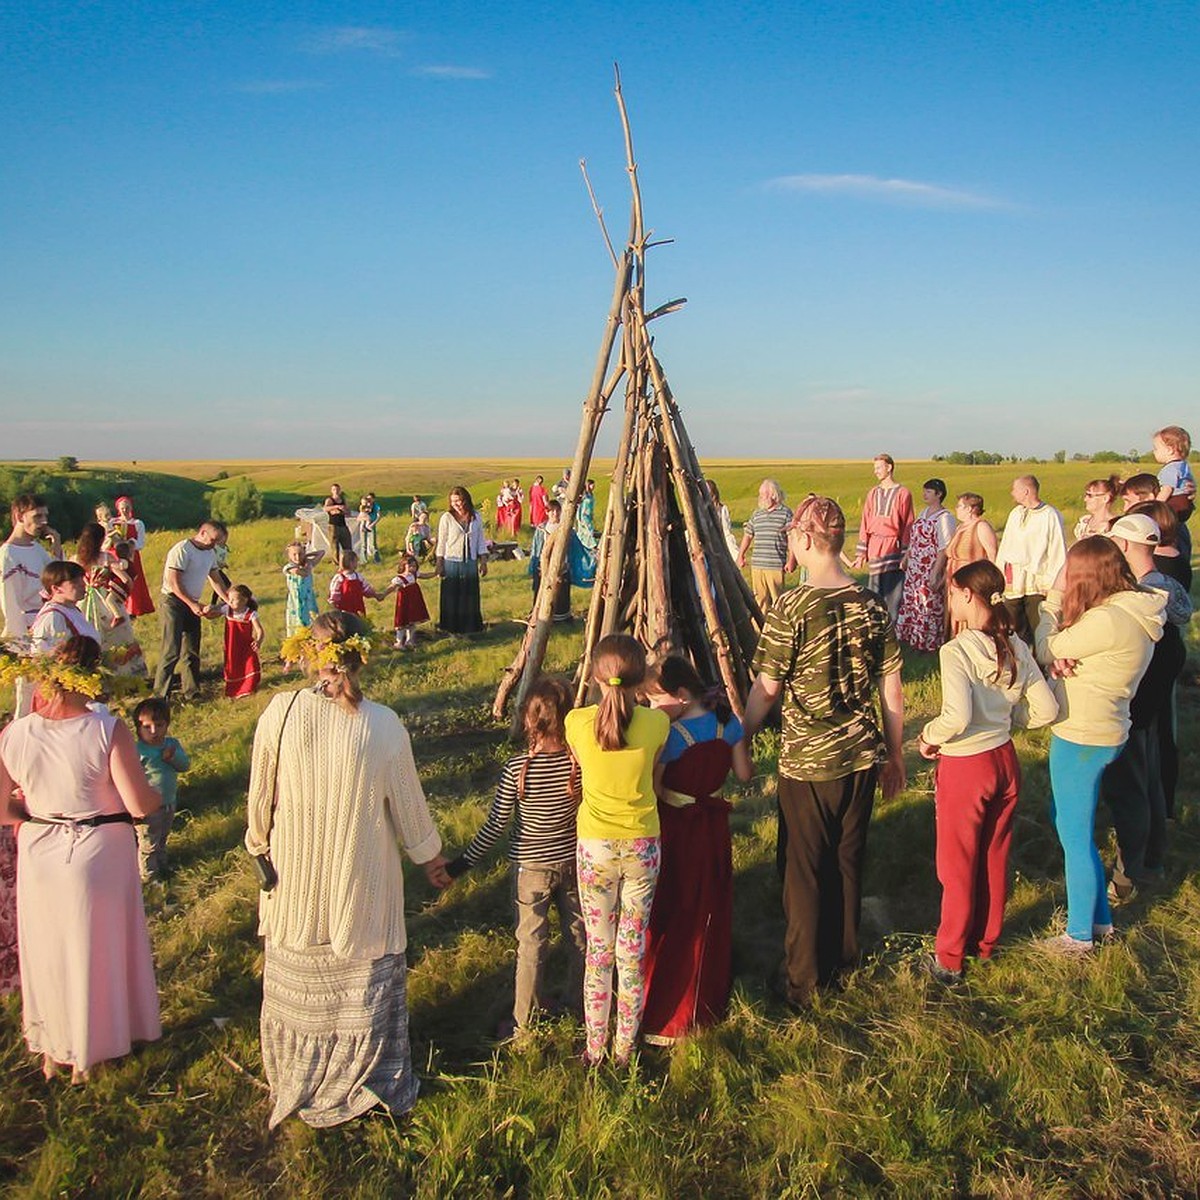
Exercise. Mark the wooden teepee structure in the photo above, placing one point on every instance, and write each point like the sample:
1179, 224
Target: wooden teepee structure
664, 572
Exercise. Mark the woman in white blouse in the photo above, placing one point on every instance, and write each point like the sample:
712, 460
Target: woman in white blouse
333, 796
461, 563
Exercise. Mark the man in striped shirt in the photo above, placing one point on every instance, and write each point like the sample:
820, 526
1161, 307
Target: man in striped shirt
767, 530
827, 647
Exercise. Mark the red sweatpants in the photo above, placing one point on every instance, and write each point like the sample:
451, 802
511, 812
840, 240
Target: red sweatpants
976, 797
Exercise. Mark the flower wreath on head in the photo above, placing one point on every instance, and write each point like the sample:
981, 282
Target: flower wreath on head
46, 669
302, 648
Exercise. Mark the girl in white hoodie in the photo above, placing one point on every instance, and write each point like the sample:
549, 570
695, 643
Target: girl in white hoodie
989, 678
1096, 634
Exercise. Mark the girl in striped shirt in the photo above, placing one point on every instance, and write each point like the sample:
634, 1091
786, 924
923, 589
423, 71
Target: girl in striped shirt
541, 789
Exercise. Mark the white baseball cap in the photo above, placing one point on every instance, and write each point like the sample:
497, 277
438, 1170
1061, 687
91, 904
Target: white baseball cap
1136, 527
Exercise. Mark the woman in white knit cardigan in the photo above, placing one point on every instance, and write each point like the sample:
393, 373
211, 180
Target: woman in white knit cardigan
333, 795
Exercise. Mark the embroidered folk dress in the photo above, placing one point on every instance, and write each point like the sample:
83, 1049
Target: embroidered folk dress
138, 603
922, 619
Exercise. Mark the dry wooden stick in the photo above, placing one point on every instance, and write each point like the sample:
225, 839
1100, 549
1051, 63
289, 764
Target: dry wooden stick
716, 632
599, 214
532, 653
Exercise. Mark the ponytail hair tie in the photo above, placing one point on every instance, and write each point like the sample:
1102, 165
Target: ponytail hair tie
995, 598
614, 681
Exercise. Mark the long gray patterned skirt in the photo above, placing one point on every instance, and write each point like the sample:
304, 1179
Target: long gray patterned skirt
335, 1035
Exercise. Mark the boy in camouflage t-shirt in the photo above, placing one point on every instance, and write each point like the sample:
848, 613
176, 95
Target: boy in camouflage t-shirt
828, 648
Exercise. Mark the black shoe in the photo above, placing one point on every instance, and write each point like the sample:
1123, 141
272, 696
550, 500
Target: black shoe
942, 975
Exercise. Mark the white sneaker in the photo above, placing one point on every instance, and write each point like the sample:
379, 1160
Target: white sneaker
1063, 945
1103, 934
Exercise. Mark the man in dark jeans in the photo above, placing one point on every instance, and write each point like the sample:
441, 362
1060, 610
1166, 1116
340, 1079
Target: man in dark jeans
189, 566
336, 507
827, 647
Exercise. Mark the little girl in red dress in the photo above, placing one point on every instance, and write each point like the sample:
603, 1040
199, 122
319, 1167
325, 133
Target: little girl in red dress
348, 589
243, 637
410, 603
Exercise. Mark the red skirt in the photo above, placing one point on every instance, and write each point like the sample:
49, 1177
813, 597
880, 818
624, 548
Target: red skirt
243, 671
138, 602
689, 950
410, 605
349, 597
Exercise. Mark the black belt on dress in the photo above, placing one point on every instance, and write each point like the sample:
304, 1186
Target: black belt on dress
123, 818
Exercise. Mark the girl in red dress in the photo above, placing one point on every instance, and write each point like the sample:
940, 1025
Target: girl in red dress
689, 952
348, 589
410, 603
243, 636
127, 528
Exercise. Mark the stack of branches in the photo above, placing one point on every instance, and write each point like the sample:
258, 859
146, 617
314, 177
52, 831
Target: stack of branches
664, 572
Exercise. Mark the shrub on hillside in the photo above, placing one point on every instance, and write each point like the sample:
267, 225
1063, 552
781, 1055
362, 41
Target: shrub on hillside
68, 462
240, 502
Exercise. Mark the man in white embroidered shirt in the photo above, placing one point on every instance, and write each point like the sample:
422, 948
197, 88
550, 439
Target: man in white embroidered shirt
1032, 551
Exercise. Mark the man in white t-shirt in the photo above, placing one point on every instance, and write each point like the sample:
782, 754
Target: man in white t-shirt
190, 564
22, 558
1033, 549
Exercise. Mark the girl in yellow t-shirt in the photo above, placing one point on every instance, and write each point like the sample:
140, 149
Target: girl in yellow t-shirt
616, 744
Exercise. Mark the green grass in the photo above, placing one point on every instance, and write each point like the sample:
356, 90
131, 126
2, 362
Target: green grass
1033, 1079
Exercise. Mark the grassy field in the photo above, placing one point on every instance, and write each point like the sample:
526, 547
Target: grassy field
1034, 1079
287, 485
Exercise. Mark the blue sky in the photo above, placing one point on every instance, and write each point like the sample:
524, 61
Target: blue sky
328, 230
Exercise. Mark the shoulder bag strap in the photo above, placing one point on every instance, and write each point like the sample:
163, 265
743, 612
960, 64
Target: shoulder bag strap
278, 752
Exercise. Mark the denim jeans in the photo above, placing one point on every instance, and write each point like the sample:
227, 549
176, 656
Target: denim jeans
536, 888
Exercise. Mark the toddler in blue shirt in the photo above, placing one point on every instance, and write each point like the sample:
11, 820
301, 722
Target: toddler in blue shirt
163, 758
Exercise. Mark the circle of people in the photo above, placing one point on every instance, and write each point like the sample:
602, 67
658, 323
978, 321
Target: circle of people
615, 810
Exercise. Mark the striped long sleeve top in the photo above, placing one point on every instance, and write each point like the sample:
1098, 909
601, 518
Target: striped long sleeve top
544, 829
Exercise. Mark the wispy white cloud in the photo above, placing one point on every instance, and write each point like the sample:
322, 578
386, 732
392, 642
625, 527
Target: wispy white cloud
357, 39
451, 72
277, 87
890, 191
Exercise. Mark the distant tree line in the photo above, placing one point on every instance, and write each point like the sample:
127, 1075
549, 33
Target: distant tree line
989, 458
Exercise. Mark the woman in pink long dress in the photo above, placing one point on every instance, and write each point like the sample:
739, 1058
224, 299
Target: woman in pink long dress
537, 502
87, 976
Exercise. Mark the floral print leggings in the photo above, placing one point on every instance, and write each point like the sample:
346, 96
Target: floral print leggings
617, 878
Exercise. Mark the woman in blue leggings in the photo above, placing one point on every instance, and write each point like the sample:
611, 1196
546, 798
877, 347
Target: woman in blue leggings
1096, 634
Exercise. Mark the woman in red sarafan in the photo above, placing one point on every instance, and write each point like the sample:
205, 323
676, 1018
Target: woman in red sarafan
127, 528
689, 951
